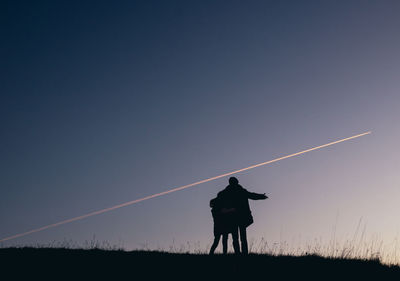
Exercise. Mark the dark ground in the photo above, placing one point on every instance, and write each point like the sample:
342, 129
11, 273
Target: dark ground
69, 264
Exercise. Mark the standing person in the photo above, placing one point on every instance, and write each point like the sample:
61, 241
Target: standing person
238, 198
224, 223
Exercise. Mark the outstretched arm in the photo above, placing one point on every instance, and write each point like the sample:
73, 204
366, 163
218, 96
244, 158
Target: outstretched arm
256, 196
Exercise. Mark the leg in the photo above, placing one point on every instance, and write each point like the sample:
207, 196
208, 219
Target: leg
215, 244
235, 241
243, 239
225, 243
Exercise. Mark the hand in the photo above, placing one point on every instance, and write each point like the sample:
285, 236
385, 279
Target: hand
265, 196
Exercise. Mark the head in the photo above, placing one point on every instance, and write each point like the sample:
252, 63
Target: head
233, 181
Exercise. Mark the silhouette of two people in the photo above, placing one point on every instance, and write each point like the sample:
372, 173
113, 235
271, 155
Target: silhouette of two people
232, 215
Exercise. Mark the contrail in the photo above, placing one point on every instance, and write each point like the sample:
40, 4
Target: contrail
177, 188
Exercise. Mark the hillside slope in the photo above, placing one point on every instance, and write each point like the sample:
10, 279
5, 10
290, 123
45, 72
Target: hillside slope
44, 263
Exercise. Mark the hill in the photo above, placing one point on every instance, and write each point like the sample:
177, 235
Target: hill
77, 264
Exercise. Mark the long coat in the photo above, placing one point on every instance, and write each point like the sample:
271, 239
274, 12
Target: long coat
235, 196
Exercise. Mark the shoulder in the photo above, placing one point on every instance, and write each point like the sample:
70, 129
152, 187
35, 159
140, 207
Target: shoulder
224, 191
242, 189
212, 202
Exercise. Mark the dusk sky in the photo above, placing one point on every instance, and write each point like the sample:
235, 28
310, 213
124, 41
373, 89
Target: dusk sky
103, 102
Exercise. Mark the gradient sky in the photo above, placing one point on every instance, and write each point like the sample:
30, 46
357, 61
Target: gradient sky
104, 102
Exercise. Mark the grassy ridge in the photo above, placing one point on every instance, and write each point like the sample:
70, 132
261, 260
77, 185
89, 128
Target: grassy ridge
44, 263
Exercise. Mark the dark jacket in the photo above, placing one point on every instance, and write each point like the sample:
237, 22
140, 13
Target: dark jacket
224, 221
235, 196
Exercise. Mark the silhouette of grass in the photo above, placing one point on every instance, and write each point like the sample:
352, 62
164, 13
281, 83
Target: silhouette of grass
95, 263
361, 248
359, 257
356, 248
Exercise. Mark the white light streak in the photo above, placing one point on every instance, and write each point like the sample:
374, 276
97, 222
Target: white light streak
176, 189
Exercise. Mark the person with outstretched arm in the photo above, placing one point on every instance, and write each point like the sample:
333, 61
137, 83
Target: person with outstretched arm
238, 197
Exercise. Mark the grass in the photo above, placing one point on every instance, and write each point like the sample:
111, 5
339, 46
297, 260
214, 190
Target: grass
54, 263
361, 248
356, 258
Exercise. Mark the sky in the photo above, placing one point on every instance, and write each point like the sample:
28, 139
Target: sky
104, 102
